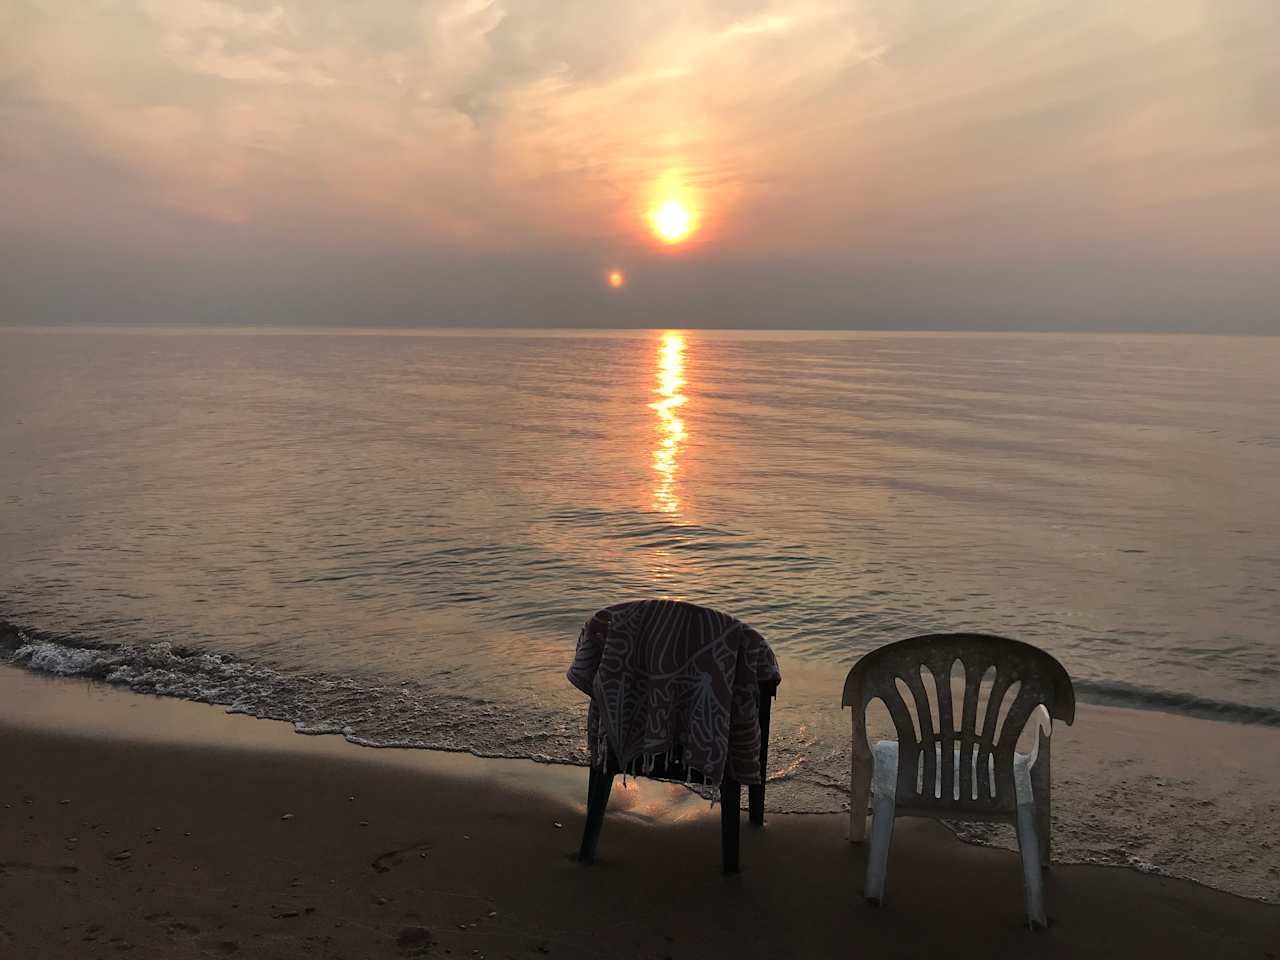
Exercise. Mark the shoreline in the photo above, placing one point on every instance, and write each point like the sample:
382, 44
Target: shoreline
70, 655
1157, 750
1126, 779
167, 828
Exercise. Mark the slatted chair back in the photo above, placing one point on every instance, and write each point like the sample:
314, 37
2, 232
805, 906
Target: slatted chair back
963, 764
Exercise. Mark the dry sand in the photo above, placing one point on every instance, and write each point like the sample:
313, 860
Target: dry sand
139, 827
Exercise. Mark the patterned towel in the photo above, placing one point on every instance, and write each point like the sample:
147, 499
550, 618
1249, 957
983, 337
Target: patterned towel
675, 681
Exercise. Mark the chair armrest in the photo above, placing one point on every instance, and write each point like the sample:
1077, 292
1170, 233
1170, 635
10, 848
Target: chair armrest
1043, 724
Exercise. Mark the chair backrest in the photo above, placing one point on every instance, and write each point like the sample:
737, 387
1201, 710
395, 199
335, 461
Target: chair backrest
932, 773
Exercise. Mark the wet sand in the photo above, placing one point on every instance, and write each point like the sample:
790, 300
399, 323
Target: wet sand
142, 827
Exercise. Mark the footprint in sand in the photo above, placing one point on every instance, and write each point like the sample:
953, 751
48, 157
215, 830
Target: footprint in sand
415, 941
393, 858
174, 927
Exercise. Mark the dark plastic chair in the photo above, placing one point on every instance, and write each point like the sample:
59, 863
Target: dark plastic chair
600, 783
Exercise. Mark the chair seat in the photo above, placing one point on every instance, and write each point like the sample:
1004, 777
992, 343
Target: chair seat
884, 777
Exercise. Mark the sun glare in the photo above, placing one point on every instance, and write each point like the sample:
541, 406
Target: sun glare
672, 221
673, 207
617, 278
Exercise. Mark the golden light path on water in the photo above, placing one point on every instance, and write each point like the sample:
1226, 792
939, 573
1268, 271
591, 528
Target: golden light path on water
670, 427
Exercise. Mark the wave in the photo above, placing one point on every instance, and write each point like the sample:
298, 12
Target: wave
362, 710
412, 713
1119, 694
160, 668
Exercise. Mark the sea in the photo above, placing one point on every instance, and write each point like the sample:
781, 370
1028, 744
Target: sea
395, 535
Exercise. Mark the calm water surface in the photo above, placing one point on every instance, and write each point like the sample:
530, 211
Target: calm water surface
397, 535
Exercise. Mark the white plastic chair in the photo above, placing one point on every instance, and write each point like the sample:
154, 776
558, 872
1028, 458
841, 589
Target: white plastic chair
984, 776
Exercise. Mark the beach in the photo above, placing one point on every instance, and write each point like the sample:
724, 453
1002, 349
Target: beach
152, 827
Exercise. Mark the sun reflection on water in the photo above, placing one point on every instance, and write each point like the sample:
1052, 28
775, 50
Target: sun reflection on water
670, 427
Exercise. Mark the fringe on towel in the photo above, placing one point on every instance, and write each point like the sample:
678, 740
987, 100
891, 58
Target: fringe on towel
648, 761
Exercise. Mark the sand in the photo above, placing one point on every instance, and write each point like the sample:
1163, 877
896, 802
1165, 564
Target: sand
140, 827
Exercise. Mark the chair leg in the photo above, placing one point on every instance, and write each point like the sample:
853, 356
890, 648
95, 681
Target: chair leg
859, 796
599, 784
1040, 794
882, 818
1044, 829
1032, 878
755, 791
730, 806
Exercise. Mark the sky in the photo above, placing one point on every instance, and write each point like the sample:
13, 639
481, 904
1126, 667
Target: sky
1031, 164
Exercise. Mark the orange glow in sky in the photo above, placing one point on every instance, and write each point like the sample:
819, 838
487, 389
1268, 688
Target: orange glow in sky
617, 278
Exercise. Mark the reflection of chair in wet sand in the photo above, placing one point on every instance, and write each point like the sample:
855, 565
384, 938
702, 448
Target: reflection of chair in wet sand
957, 768
678, 692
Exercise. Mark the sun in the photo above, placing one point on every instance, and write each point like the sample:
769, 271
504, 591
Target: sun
671, 221
673, 208
617, 278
